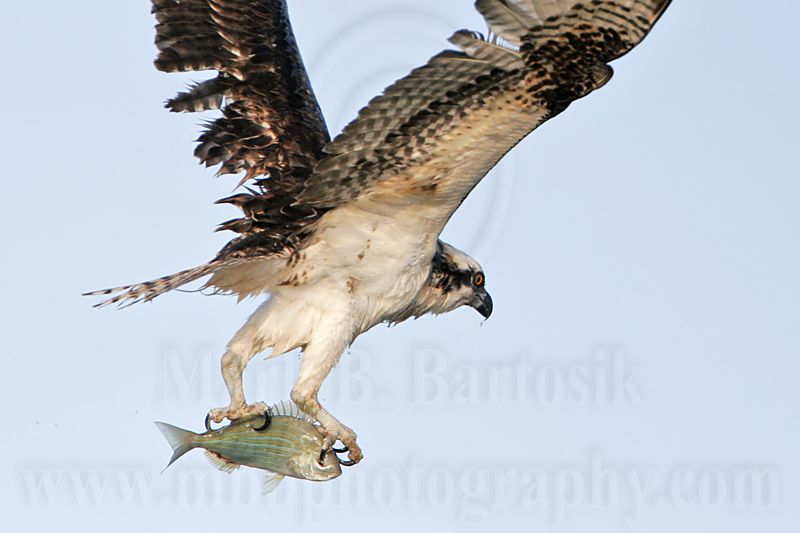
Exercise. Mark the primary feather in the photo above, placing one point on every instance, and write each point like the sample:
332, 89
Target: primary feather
343, 234
440, 129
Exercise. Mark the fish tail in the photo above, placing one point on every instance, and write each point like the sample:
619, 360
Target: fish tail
181, 440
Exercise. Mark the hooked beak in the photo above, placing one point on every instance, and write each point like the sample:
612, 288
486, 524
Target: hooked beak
482, 303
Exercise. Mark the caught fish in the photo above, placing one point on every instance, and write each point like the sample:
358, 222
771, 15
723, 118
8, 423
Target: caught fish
283, 441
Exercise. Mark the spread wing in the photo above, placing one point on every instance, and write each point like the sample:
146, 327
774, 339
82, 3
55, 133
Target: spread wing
428, 139
439, 130
271, 129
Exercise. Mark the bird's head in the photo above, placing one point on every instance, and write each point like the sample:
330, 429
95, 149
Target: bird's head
456, 280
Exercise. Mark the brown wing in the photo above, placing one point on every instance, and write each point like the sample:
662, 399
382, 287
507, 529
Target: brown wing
437, 131
444, 126
271, 129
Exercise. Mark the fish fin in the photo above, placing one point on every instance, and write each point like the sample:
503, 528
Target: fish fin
271, 482
288, 408
179, 439
220, 463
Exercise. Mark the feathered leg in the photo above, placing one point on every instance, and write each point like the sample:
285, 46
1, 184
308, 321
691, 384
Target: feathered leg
318, 360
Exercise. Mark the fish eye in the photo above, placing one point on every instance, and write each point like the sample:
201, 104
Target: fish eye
478, 279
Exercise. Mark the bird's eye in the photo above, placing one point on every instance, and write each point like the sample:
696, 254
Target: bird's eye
478, 279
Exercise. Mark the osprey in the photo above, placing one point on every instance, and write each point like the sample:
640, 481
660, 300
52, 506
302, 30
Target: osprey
343, 234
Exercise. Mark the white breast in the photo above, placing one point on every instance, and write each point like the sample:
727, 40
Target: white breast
378, 262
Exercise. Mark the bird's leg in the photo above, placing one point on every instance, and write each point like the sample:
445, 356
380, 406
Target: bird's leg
242, 348
332, 429
314, 368
233, 364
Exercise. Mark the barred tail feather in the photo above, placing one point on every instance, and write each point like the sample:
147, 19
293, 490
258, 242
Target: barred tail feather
144, 292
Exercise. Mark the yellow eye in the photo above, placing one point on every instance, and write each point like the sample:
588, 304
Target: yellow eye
478, 279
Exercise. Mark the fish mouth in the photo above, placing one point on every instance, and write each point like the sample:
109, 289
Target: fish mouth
311, 467
327, 467
335, 453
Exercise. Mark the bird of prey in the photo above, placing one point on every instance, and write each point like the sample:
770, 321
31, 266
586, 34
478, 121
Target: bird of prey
343, 234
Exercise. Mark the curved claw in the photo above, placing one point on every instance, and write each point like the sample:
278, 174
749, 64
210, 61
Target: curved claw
343, 449
208, 423
267, 422
337, 451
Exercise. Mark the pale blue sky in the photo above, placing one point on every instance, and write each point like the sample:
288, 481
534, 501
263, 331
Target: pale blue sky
641, 249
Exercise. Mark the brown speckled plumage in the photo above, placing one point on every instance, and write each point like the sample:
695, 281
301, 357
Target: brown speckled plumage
433, 134
560, 57
271, 129
344, 235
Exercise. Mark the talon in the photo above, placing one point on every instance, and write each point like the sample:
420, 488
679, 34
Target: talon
208, 423
346, 462
267, 422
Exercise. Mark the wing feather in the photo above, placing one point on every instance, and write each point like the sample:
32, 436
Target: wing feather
271, 129
448, 122
429, 138
447, 71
